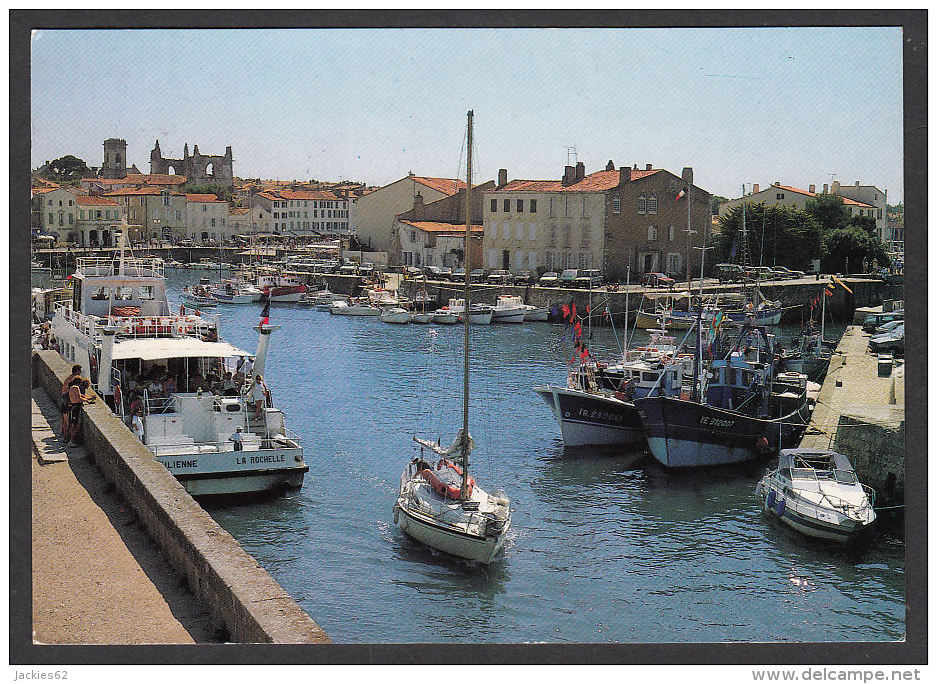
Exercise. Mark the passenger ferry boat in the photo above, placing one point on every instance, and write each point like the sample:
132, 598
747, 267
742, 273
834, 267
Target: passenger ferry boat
143, 358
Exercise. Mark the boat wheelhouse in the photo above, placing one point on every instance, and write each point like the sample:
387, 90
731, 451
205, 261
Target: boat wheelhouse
170, 372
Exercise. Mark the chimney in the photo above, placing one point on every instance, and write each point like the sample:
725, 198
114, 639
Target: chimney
624, 175
502, 177
418, 207
610, 166
835, 188
755, 188
812, 188
635, 167
686, 175
776, 183
648, 167
569, 175
580, 171
857, 184
826, 189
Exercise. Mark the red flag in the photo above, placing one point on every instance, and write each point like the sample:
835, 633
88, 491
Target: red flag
680, 195
265, 314
573, 310
565, 311
585, 354
828, 293
577, 326
588, 310
197, 312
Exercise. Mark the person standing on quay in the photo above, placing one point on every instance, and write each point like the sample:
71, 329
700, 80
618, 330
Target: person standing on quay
64, 404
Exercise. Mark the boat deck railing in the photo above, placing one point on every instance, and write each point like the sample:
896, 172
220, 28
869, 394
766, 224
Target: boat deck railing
185, 325
827, 501
110, 266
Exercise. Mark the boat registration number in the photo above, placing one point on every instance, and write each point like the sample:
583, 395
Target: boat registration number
716, 422
600, 415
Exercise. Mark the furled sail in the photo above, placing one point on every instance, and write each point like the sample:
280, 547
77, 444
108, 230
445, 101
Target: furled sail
454, 448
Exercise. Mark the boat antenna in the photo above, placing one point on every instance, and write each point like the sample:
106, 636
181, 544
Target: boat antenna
624, 349
463, 491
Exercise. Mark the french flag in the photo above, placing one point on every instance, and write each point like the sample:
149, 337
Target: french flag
680, 195
265, 314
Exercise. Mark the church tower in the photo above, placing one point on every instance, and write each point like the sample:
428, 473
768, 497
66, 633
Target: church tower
115, 158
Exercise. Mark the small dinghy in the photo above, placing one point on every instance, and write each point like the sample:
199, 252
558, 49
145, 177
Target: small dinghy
817, 493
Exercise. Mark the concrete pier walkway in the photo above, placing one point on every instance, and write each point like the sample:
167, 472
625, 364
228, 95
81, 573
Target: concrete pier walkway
97, 577
860, 413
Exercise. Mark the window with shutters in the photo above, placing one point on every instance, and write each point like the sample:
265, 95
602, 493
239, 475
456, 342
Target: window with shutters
533, 206
494, 205
642, 203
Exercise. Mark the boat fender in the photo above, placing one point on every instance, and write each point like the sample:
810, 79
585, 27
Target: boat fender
771, 498
781, 506
762, 446
396, 514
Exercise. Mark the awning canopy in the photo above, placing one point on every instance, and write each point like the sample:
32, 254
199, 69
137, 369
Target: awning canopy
152, 349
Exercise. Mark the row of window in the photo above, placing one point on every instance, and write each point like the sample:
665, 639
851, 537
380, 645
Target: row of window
519, 205
70, 203
312, 225
326, 213
316, 204
647, 204
558, 261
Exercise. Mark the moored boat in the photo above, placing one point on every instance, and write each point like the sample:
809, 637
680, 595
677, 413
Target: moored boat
818, 494
395, 314
509, 309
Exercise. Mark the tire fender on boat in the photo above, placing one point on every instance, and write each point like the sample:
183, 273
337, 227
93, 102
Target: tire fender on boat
396, 514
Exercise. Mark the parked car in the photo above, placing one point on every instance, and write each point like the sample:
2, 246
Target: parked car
457, 275
568, 277
786, 272
432, 272
413, 272
872, 321
892, 341
499, 277
657, 280
524, 278
349, 269
549, 279
445, 272
477, 275
588, 278
888, 327
366, 268
729, 273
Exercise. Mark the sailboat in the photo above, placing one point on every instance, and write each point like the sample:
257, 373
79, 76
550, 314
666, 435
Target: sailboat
441, 505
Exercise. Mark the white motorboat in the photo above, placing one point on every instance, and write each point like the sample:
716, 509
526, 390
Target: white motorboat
422, 317
480, 314
342, 308
442, 506
536, 313
199, 297
322, 297
444, 317
118, 325
230, 292
395, 314
817, 493
509, 309
378, 296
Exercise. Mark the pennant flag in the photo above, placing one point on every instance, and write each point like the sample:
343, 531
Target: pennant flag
607, 314
585, 354
68, 278
198, 313
573, 311
840, 282
680, 195
587, 310
265, 314
828, 292
565, 312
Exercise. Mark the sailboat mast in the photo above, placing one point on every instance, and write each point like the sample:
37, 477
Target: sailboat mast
463, 492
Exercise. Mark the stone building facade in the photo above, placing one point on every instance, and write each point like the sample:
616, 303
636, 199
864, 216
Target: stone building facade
198, 168
646, 224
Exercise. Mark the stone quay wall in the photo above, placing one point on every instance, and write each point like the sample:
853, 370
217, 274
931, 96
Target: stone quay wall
242, 597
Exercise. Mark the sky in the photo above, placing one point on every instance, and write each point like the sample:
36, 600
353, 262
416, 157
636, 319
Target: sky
797, 105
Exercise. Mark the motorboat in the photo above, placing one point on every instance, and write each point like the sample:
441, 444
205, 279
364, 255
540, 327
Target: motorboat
480, 314
444, 317
279, 287
536, 313
422, 317
395, 314
442, 505
199, 297
509, 309
343, 308
818, 494
232, 292
323, 298
118, 325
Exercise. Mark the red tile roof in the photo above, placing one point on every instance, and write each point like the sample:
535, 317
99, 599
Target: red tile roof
239, 211
846, 200
447, 186
308, 195
197, 197
146, 190
594, 182
95, 201
440, 227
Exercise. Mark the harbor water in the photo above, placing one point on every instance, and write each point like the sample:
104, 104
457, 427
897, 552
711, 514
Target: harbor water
605, 546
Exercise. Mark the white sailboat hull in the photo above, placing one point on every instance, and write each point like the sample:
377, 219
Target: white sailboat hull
462, 545
508, 315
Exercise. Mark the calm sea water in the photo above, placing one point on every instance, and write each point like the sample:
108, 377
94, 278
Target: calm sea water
605, 547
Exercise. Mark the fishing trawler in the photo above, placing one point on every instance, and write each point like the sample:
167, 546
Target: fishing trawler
212, 433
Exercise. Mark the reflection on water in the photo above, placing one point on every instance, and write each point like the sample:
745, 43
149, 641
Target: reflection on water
605, 546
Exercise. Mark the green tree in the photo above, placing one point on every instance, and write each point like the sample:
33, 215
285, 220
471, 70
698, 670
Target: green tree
777, 236
68, 169
829, 211
847, 247
717, 201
